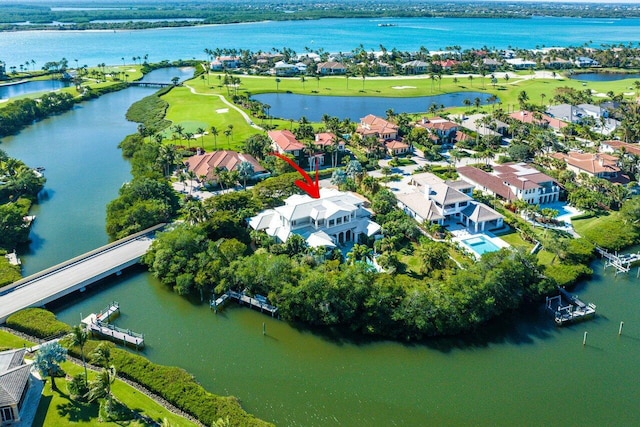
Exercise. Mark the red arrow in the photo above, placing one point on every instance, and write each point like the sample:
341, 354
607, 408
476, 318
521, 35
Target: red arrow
309, 185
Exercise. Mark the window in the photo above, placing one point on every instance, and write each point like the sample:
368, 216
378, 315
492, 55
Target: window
7, 414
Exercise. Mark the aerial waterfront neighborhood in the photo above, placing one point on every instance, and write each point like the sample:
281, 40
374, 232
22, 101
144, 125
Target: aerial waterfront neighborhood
378, 220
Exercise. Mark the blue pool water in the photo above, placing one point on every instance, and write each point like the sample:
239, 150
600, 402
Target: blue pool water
480, 245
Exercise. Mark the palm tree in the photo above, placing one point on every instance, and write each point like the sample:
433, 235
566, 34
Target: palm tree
179, 130
214, 132
201, 131
79, 336
227, 132
194, 211
101, 387
102, 354
188, 136
277, 84
245, 170
470, 79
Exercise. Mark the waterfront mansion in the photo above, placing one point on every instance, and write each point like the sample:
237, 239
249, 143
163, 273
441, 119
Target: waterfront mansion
334, 219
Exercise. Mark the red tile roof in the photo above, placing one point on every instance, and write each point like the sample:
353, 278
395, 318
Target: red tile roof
529, 117
285, 140
487, 180
590, 163
326, 139
629, 148
206, 164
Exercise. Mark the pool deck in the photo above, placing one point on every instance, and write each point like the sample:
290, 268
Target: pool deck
460, 233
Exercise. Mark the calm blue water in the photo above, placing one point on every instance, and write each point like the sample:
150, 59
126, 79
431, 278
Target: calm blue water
293, 106
480, 245
10, 91
603, 77
332, 35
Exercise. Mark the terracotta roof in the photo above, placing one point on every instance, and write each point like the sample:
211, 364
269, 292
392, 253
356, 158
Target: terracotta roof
331, 65
327, 139
438, 123
629, 148
591, 163
395, 145
285, 140
522, 170
486, 180
528, 117
206, 164
374, 124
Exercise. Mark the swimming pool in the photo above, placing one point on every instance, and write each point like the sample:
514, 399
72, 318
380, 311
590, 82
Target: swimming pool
480, 245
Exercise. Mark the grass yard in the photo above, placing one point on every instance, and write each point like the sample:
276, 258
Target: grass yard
56, 409
193, 111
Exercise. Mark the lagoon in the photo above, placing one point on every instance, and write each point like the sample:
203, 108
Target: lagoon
11, 90
603, 77
294, 106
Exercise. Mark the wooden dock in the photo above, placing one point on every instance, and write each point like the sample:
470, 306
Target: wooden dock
99, 325
621, 262
125, 336
567, 308
258, 302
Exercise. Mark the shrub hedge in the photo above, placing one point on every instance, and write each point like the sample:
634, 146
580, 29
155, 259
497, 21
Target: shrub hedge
37, 322
173, 384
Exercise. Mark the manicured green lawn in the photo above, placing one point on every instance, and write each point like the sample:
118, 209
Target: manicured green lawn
195, 110
57, 409
8, 341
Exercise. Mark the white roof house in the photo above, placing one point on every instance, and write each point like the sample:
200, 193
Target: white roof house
336, 217
437, 201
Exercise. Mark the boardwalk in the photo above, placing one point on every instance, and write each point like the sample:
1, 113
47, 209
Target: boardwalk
567, 308
98, 324
63, 279
258, 302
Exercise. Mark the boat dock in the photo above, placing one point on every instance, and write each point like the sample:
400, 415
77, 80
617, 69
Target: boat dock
99, 324
567, 308
13, 259
622, 263
257, 302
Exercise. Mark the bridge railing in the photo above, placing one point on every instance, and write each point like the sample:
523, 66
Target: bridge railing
79, 258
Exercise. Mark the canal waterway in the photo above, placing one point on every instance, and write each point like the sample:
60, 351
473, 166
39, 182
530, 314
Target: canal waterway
522, 370
332, 35
294, 106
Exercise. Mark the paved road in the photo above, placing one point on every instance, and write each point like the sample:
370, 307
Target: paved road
42, 289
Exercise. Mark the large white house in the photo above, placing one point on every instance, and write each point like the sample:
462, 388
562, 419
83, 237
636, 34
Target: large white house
437, 201
335, 218
513, 181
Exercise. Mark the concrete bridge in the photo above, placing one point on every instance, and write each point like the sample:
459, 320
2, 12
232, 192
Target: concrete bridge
77, 273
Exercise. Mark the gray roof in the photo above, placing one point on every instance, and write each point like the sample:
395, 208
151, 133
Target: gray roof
478, 213
11, 358
13, 376
426, 209
446, 195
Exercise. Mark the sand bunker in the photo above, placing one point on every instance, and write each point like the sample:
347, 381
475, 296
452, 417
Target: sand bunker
403, 87
222, 110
